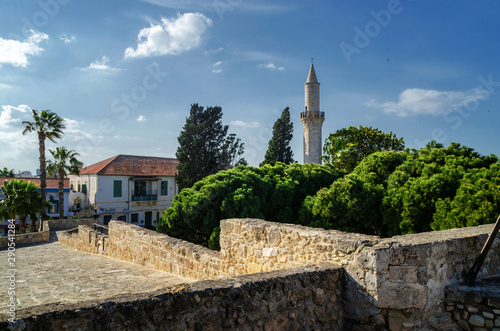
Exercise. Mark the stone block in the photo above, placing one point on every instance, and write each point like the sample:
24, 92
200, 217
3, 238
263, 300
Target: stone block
270, 252
488, 315
404, 255
476, 320
403, 274
274, 237
402, 295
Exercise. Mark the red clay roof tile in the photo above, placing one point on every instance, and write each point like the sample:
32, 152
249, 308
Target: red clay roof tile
132, 165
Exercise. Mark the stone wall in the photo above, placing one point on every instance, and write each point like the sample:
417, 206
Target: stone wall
85, 239
304, 298
44, 236
26, 239
68, 223
474, 307
151, 249
396, 283
252, 245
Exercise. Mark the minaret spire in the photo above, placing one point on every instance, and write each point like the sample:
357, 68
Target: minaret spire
312, 119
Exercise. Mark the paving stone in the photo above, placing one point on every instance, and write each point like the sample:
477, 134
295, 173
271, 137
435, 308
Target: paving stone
53, 273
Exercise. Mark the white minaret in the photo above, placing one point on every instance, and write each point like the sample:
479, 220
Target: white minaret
312, 120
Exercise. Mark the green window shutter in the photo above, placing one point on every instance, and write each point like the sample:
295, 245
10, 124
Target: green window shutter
117, 188
84, 188
164, 187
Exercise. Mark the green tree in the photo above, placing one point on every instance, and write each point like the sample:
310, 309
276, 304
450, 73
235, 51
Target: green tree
22, 199
476, 202
205, 146
48, 125
426, 176
274, 193
7, 173
365, 140
340, 154
279, 149
65, 162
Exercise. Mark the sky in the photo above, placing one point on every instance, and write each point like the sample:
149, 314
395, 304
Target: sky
124, 74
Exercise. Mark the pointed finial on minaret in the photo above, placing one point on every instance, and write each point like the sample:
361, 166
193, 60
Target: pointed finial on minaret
312, 59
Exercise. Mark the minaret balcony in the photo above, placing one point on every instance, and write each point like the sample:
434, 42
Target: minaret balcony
313, 114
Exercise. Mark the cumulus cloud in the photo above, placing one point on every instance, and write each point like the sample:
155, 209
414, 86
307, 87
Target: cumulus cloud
413, 102
10, 115
244, 124
16, 52
102, 65
141, 118
172, 36
5, 86
271, 66
67, 39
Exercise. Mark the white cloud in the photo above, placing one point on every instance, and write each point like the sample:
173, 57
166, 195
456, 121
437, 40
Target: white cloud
173, 36
67, 39
221, 7
416, 101
214, 51
6, 116
141, 118
5, 86
101, 65
16, 52
271, 66
245, 125
216, 68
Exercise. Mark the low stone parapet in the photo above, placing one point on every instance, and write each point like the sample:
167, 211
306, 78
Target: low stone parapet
25, 239
303, 298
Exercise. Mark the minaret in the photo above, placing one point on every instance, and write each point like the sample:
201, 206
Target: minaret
312, 120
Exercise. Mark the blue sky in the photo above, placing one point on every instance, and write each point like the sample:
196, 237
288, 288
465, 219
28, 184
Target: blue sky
125, 73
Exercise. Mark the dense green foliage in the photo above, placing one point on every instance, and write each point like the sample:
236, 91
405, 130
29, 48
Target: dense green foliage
339, 146
391, 193
7, 173
477, 200
387, 193
279, 149
205, 146
340, 154
274, 193
21, 199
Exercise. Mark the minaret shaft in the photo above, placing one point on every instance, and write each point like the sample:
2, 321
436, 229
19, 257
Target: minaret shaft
312, 120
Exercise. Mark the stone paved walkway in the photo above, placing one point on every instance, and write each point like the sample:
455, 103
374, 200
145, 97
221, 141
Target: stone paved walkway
52, 273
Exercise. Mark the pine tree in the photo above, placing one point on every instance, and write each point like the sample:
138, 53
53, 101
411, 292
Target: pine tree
205, 146
279, 149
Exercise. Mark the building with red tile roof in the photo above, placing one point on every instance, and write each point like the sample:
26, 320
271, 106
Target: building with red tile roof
131, 188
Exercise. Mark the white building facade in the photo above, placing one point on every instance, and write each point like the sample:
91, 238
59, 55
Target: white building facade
133, 189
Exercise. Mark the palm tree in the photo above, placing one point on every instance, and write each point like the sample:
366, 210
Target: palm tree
22, 199
7, 173
64, 163
48, 125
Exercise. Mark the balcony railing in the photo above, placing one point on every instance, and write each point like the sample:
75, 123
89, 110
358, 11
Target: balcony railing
145, 197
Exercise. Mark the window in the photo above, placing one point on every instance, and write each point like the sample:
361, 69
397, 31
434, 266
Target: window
134, 218
117, 188
52, 205
122, 218
164, 187
84, 188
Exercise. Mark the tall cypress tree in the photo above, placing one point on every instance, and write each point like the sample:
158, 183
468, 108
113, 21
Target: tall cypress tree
279, 149
205, 147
